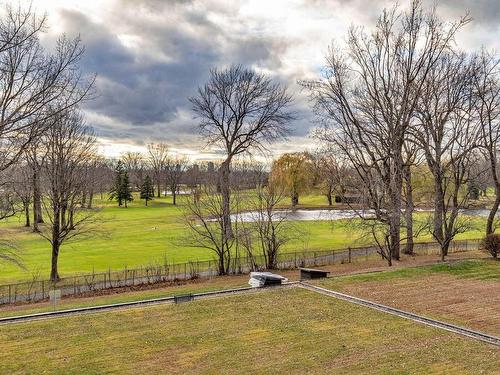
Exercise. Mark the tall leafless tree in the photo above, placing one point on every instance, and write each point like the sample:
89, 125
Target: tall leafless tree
447, 134
69, 145
34, 157
240, 111
135, 165
368, 98
334, 174
205, 219
273, 230
175, 168
32, 79
157, 159
487, 92
20, 180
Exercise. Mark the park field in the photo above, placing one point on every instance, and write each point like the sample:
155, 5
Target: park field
273, 331
139, 236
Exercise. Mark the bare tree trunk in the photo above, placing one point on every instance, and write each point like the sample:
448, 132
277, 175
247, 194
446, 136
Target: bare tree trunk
91, 198
27, 214
158, 185
329, 196
37, 201
395, 215
84, 198
409, 210
295, 198
493, 211
54, 274
496, 203
225, 170
71, 219
56, 226
438, 208
174, 197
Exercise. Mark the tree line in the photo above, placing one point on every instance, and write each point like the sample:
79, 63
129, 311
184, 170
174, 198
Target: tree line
394, 104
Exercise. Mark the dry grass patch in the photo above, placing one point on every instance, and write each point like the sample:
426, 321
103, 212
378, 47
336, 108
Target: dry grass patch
466, 293
290, 331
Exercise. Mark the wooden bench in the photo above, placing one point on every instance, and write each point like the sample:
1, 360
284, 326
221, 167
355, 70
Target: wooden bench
311, 273
183, 298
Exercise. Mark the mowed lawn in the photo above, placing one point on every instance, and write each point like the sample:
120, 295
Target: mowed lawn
138, 235
288, 331
465, 292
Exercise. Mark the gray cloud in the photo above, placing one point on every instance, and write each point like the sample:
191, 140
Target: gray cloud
151, 55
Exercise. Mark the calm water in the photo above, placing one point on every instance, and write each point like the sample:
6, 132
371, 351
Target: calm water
314, 215
306, 215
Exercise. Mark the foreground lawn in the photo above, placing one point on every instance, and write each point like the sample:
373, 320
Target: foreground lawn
279, 331
138, 236
464, 292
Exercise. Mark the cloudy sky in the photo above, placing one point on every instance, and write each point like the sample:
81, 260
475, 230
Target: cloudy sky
151, 55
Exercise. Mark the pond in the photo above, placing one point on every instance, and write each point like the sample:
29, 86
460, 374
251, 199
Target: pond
322, 214
305, 215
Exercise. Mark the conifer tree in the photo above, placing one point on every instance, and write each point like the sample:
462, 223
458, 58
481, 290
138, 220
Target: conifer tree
126, 189
147, 190
121, 191
115, 192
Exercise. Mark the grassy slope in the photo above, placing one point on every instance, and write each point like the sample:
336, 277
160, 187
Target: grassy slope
141, 235
487, 270
282, 331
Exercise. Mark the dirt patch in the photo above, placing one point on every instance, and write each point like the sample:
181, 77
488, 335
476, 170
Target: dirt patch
469, 302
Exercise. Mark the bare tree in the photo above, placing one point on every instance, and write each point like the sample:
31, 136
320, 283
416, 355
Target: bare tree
487, 92
273, 230
135, 165
240, 111
334, 174
205, 219
31, 79
157, 158
34, 158
175, 168
20, 177
410, 159
69, 146
447, 135
93, 170
368, 97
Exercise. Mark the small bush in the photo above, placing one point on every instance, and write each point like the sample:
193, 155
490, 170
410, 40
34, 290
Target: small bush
491, 243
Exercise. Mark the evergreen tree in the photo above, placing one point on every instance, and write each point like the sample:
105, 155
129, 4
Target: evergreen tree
126, 189
121, 191
147, 190
115, 192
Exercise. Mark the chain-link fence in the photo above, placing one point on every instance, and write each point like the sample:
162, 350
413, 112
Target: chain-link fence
37, 290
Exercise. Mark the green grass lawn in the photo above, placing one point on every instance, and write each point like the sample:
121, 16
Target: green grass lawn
138, 235
279, 331
484, 269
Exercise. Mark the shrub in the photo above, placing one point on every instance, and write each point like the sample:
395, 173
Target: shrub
491, 243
